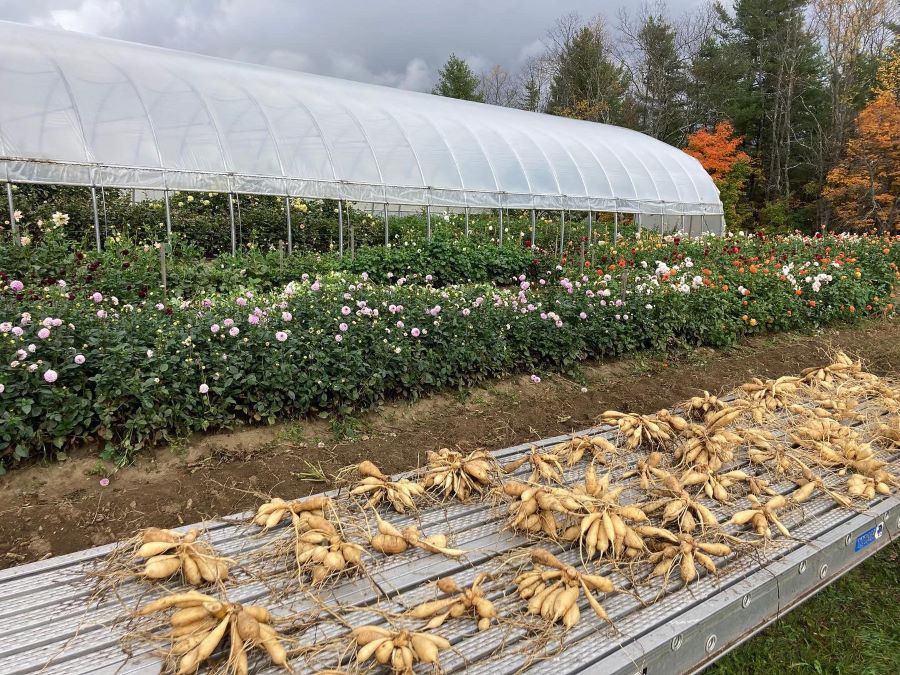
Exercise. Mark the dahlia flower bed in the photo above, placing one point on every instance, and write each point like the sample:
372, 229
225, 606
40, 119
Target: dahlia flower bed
84, 365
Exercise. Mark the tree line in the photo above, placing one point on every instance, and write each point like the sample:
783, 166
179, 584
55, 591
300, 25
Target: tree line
798, 98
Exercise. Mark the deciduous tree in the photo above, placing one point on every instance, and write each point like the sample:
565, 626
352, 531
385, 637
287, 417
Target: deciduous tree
864, 189
719, 151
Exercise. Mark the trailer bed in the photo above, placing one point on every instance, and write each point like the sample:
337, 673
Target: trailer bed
49, 624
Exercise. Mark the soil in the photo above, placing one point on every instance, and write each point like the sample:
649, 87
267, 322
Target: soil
62, 506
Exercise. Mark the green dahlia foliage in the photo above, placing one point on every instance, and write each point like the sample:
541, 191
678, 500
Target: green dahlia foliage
96, 354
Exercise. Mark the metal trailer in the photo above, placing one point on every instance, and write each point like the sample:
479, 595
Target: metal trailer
48, 625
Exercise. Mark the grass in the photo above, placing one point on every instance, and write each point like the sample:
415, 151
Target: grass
850, 628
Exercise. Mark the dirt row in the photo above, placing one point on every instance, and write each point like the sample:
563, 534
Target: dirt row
67, 505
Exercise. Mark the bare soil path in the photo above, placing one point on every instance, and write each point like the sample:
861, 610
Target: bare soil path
62, 507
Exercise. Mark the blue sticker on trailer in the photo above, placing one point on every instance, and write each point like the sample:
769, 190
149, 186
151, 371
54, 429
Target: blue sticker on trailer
868, 537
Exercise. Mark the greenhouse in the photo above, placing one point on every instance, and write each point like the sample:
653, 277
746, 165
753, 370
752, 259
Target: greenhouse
85, 111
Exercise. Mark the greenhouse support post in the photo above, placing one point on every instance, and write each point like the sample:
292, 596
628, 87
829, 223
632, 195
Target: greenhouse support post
168, 215
162, 267
590, 226
290, 232
467, 221
231, 220
428, 222
615, 226
533, 227
103, 204
681, 224
562, 232
14, 226
96, 217
352, 235
340, 228
500, 235
387, 227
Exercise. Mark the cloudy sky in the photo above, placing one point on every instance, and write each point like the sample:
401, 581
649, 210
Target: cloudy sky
400, 43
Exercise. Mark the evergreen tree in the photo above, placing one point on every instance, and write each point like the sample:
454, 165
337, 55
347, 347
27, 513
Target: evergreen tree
531, 96
587, 78
762, 70
659, 81
456, 80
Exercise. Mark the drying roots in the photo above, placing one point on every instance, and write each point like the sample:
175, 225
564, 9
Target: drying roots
321, 551
201, 623
273, 512
770, 395
679, 506
459, 476
167, 552
760, 516
400, 495
390, 540
684, 551
574, 449
553, 593
401, 650
637, 429
462, 602
544, 466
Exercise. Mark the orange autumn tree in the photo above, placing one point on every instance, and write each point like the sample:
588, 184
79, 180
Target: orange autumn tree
864, 189
720, 154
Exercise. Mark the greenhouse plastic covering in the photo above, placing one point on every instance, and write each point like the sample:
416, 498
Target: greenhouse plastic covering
82, 110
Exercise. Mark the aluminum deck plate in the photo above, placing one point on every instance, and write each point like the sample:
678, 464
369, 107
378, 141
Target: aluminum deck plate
48, 625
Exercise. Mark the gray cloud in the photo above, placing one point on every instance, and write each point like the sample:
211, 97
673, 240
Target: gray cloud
399, 43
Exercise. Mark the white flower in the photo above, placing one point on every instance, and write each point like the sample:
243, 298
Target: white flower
149, 353
60, 219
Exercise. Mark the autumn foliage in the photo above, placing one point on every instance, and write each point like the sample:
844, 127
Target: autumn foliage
720, 154
864, 189
718, 150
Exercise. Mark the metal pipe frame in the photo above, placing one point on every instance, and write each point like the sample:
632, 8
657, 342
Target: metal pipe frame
615, 227
231, 219
500, 235
562, 231
387, 227
341, 228
96, 219
168, 215
467, 221
428, 222
13, 225
290, 230
590, 227
533, 228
